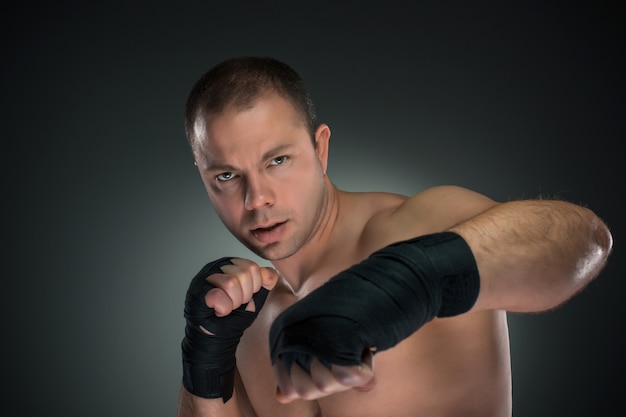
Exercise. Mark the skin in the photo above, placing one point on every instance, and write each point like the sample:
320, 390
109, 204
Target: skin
269, 186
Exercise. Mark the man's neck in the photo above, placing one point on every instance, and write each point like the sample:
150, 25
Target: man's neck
298, 268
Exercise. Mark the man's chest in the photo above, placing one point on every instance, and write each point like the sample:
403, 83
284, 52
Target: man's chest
445, 364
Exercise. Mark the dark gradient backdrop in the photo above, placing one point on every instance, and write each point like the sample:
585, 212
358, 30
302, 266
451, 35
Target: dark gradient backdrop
107, 220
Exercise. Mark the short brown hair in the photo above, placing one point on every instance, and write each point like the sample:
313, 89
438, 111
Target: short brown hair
238, 82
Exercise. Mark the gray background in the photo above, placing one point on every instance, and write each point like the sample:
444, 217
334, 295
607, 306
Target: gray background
106, 219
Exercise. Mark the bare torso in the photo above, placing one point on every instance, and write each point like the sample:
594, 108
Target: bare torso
456, 366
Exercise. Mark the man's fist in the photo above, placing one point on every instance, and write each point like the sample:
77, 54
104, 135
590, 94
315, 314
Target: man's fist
222, 301
236, 284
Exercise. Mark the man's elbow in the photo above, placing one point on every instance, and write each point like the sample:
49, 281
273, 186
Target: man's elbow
594, 257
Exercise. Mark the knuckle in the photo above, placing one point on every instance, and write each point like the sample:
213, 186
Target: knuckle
229, 284
322, 386
303, 392
347, 376
243, 270
218, 300
253, 269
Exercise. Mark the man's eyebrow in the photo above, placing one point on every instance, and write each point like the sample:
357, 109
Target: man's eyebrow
213, 165
275, 151
216, 166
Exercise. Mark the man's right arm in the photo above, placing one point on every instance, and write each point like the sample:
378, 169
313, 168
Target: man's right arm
222, 301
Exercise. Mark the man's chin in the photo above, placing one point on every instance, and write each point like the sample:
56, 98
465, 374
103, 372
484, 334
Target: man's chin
271, 252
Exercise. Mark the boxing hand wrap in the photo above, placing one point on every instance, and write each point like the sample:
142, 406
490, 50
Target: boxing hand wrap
379, 302
209, 360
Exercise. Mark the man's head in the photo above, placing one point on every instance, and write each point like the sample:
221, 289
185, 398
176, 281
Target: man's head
238, 82
260, 153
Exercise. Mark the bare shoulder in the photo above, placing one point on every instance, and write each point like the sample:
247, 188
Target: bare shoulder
432, 210
445, 204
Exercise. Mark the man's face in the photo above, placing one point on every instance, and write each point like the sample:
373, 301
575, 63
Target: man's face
263, 175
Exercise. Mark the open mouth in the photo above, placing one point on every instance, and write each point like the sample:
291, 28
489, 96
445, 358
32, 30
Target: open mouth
269, 234
267, 229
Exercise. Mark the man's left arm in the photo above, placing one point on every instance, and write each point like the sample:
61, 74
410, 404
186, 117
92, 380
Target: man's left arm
522, 256
533, 255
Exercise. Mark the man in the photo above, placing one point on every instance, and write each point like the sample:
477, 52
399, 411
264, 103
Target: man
379, 304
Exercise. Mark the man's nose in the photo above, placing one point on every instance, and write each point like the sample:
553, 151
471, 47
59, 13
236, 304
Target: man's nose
258, 193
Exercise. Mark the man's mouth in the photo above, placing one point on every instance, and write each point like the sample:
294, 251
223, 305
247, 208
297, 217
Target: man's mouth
270, 233
266, 229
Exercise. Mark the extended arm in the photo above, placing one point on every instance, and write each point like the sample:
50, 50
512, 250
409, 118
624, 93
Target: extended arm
533, 255
525, 256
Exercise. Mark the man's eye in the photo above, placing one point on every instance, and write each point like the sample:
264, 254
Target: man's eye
225, 176
279, 160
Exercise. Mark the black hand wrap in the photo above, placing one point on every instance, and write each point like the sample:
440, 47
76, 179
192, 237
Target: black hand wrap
378, 302
209, 360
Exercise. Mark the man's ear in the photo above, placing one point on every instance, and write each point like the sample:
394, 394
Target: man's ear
322, 137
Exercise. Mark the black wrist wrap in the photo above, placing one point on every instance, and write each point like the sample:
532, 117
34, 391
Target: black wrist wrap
379, 302
209, 360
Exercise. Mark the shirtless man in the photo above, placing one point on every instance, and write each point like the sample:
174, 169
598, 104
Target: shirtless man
263, 157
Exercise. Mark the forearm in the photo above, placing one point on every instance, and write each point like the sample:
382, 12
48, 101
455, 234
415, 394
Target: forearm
192, 406
533, 255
